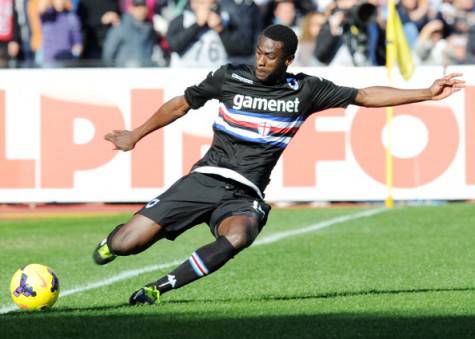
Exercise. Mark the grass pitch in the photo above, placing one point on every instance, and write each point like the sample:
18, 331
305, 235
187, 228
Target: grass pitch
404, 273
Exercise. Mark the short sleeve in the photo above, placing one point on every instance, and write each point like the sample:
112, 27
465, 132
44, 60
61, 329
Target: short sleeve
325, 94
208, 89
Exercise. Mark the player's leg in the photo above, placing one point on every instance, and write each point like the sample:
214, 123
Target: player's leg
160, 217
234, 234
138, 234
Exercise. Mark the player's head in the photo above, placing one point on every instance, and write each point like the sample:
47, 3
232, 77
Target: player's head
275, 52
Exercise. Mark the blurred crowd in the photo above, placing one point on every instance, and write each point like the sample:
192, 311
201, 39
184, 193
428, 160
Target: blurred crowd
203, 33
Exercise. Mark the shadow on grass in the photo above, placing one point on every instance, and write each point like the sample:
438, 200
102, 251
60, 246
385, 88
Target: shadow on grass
193, 325
172, 321
328, 295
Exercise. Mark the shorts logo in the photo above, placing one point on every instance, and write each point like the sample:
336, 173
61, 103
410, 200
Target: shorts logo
263, 128
152, 203
258, 207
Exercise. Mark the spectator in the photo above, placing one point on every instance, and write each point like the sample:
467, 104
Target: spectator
457, 49
131, 43
414, 15
344, 38
24, 30
9, 33
244, 27
151, 6
323, 5
471, 45
228, 32
210, 33
156, 9
430, 44
285, 13
62, 40
309, 29
464, 15
97, 17
433, 47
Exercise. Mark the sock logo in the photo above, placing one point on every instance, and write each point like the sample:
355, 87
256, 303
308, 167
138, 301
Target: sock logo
171, 279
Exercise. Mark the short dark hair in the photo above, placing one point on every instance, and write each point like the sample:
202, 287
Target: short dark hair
283, 34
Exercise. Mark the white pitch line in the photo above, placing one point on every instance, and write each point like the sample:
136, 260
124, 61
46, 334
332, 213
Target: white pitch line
315, 227
121, 276
263, 241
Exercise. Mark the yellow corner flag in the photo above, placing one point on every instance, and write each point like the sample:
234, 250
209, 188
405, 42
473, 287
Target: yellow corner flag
396, 44
397, 49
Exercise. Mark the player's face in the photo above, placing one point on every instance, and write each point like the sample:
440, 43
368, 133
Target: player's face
271, 63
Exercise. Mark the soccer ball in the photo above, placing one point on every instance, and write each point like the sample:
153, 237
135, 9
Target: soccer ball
34, 287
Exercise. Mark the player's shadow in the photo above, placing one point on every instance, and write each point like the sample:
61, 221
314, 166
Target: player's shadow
326, 295
219, 323
225, 318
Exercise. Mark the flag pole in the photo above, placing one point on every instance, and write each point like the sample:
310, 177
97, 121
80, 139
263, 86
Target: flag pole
397, 49
390, 55
389, 202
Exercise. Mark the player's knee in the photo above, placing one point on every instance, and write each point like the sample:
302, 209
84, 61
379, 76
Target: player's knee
242, 237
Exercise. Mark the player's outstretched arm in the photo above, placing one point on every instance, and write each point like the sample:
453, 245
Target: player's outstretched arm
173, 109
380, 96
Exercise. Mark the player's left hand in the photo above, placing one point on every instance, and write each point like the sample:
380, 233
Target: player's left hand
446, 86
123, 140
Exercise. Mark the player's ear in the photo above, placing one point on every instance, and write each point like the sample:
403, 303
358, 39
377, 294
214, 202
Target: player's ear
289, 60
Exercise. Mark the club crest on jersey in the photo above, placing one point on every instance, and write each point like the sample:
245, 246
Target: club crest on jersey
263, 128
293, 83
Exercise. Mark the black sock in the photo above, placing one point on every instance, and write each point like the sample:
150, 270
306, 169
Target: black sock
203, 261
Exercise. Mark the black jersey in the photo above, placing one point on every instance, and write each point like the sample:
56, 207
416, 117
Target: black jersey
256, 121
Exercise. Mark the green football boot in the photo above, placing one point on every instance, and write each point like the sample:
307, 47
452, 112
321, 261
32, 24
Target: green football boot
146, 295
102, 254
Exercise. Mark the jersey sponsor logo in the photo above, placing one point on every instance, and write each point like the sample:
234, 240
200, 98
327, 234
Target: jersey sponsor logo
272, 105
242, 79
293, 83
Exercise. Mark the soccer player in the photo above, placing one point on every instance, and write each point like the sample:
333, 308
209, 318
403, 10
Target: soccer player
261, 108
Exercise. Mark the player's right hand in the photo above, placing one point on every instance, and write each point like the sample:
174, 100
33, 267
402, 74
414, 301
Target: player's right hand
122, 139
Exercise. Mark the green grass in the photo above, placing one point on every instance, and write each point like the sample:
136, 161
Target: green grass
405, 273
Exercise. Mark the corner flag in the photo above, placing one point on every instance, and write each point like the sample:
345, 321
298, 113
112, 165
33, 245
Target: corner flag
397, 49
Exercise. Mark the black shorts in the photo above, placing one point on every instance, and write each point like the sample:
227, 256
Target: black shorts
202, 198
